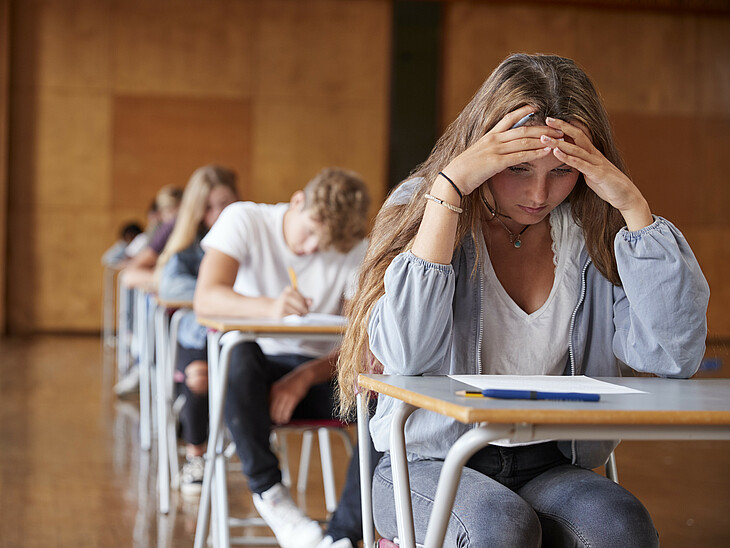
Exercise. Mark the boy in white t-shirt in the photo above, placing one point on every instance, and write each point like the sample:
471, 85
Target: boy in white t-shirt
245, 273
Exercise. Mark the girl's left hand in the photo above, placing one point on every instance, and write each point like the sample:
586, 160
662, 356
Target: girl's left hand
606, 180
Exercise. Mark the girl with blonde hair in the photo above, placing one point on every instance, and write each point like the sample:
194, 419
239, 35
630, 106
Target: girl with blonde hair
521, 246
208, 192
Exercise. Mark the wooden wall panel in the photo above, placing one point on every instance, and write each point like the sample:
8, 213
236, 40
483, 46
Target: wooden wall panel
322, 98
665, 79
641, 62
713, 60
323, 48
477, 37
70, 172
162, 140
67, 249
62, 43
184, 47
655, 149
711, 245
298, 140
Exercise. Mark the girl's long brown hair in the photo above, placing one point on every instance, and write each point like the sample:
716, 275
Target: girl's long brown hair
556, 87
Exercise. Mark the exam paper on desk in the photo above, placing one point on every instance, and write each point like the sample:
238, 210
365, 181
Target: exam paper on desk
314, 318
545, 383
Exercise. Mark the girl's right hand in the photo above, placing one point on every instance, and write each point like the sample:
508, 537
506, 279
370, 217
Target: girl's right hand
498, 149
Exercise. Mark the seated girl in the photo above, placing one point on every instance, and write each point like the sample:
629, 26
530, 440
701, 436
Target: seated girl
520, 246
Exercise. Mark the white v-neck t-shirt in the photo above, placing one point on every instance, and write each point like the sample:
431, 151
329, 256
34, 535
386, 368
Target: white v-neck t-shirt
517, 343
253, 234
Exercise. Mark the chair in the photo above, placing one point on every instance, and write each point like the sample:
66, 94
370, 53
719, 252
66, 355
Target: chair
363, 435
323, 428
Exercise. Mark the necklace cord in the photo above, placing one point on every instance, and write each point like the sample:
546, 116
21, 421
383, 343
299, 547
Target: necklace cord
514, 239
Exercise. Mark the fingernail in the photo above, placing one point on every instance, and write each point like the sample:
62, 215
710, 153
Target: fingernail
546, 139
547, 149
549, 119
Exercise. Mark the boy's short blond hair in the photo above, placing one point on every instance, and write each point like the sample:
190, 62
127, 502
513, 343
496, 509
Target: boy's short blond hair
168, 197
340, 200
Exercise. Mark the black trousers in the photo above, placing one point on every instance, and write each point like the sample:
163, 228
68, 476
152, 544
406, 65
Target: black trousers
194, 414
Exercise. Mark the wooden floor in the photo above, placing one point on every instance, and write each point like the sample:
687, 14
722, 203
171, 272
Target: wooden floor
72, 473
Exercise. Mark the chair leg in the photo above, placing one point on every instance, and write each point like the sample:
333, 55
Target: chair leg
278, 440
328, 474
304, 457
346, 440
611, 468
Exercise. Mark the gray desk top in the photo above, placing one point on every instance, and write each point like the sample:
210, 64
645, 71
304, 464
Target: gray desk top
666, 401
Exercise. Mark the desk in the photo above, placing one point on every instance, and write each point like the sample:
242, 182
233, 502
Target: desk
240, 330
670, 409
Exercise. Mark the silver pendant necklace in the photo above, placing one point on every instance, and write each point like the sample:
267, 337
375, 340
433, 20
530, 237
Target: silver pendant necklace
514, 239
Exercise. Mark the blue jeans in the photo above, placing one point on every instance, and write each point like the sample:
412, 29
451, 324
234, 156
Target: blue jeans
520, 497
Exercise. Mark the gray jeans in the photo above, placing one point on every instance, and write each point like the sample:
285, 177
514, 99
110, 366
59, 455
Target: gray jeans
520, 497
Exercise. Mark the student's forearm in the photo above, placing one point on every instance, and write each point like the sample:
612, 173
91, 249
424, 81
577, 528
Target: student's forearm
435, 239
223, 301
146, 258
321, 369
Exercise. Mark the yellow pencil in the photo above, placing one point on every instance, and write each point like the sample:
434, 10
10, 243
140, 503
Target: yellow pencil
293, 278
469, 394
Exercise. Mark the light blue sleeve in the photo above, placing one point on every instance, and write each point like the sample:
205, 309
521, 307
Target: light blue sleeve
177, 283
410, 326
660, 314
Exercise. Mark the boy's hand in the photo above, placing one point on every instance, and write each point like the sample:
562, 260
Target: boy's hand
285, 395
290, 302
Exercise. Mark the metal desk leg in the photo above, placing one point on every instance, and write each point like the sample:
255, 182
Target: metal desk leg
123, 295
221, 490
366, 494
401, 483
145, 418
169, 396
201, 530
458, 455
163, 471
108, 308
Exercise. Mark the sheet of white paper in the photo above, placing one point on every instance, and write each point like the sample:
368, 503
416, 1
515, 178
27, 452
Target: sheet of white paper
545, 383
314, 318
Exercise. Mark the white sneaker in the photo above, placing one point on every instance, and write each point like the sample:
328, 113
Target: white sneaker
129, 384
328, 542
191, 476
290, 526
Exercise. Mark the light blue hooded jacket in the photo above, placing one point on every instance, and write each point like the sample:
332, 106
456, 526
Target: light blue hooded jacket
428, 322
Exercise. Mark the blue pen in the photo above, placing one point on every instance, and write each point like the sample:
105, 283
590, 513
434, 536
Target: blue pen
535, 395
522, 121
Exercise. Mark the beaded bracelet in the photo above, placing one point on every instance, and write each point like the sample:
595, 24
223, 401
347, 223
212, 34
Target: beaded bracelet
456, 188
447, 205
